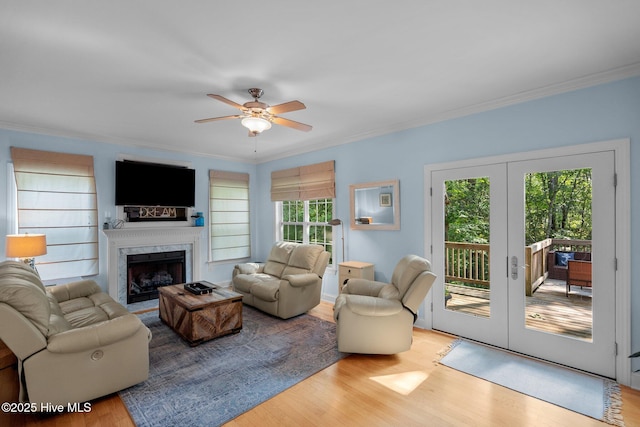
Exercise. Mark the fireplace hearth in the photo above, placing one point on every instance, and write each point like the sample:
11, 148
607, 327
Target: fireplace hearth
149, 271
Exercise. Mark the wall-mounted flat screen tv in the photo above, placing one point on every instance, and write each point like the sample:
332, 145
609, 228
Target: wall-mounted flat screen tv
153, 184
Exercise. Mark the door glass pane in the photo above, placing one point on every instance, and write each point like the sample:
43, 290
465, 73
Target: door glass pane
467, 281
558, 252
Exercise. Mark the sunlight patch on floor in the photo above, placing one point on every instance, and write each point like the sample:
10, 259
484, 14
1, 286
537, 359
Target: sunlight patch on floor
403, 383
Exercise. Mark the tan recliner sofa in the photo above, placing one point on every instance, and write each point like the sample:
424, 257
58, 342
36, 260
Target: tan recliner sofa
377, 318
73, 342
289, 283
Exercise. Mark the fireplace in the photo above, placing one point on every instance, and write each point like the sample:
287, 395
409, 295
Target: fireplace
149, 271
148, 240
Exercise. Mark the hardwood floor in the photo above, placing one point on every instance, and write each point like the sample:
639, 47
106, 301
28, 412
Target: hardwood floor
407, 389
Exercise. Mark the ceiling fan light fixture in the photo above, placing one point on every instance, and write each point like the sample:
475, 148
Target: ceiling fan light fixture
258, 116
256, 124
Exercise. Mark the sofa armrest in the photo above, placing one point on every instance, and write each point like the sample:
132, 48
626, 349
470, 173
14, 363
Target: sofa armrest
372, 306
249, 268
371, 288
95, 336
363, 287
300, 280
79, 289
19, 333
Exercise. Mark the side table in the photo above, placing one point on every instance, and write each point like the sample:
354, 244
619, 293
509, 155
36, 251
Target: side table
354, 270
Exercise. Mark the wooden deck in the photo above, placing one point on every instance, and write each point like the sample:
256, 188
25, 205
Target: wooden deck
548, 309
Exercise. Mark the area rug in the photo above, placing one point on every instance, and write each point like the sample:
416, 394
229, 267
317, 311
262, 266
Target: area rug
220, 379
586, 394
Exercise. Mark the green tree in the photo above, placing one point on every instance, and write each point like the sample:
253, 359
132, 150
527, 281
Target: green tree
467, 210
557, 205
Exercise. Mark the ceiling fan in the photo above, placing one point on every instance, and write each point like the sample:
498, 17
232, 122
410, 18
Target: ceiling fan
258, 116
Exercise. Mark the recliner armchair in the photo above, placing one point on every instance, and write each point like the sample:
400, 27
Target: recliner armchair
73, 342
376, 317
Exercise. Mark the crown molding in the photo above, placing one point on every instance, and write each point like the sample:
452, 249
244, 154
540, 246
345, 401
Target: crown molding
583, 82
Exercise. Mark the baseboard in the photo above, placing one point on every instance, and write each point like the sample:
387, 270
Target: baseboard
328, 298
422, 324
635, 380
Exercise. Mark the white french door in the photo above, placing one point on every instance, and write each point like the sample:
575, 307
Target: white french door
479, 235
489, 322
595, 353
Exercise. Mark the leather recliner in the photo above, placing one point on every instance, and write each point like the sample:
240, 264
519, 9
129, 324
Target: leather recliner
376, 317
73, 342
289, 283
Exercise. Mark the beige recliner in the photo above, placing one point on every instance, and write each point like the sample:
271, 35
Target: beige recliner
377, 318
73, 342
289, 283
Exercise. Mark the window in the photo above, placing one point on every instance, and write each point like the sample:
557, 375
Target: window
56, 196
305, 221
304, 197
229, 236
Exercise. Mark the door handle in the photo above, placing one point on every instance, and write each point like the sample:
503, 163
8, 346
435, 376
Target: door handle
514, 267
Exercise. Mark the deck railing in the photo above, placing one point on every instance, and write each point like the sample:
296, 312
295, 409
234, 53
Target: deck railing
571, 245
535, 264
468, 263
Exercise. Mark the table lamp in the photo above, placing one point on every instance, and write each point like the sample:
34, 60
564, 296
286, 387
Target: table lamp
26, 247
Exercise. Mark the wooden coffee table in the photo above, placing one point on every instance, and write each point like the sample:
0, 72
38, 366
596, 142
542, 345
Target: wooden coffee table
199, 318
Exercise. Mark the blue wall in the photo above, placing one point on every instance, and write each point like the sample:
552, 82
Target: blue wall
105, 156
605, 112
601, 113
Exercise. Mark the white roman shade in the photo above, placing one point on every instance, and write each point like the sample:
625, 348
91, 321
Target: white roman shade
230, 236
309, 182
57, 197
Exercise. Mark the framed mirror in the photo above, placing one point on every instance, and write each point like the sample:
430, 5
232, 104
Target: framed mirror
375, 205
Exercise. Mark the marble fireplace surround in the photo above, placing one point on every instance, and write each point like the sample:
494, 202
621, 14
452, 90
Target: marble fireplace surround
128, 241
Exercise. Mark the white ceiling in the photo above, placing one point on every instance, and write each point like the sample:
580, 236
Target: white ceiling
137, 72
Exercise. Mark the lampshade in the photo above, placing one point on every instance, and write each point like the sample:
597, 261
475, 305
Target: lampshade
26, 245
256, 124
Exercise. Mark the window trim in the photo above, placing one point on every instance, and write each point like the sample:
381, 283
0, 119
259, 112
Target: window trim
306, 225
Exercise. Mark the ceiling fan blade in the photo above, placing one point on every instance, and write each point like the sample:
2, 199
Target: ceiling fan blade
213, 119
291, 124
226, 101
286, 107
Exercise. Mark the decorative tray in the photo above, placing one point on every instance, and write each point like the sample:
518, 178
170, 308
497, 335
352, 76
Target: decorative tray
200, 288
